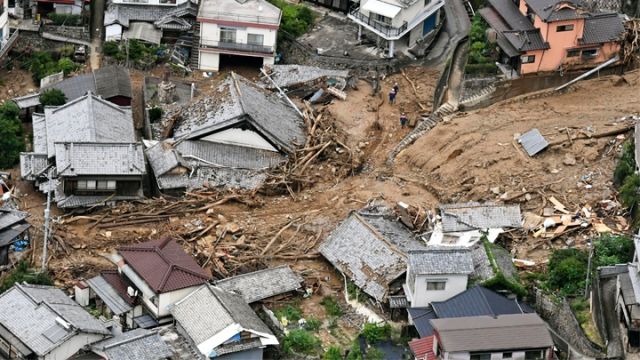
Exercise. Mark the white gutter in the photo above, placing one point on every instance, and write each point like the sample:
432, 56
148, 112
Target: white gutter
135, 278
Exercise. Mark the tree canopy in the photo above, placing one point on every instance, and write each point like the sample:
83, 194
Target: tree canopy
11, 141
53, 97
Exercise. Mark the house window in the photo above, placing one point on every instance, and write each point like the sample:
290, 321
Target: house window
106, 185
507, 355
527, 59
561, 28
381, 19
480, 356
91, 184
436, 285
534, 355
573, 53
255, 39
589, 53
227, 35
82, 185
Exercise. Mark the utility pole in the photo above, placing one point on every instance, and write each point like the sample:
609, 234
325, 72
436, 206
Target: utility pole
47, 212
586, 285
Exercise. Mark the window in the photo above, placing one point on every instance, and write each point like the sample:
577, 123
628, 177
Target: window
527, 59
534, 355
590, 53
381, 19
561, 28
82, 185
573, 53
227, 35
436, 285
255, 39
106, 185
507, 355
480, 356
91, 184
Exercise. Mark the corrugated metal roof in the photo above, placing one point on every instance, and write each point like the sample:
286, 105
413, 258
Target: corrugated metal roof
262, 284
533, 142
421, 318
476, 301
109, 295
164, 265
484, 333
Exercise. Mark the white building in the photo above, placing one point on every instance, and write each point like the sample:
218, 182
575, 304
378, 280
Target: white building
436, 274
246, 28
4, 24
404, 21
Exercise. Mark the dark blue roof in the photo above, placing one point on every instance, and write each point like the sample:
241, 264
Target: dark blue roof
476, 301
422, 320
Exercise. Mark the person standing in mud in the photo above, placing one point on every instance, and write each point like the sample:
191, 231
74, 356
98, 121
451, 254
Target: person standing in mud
392, 96
404, 120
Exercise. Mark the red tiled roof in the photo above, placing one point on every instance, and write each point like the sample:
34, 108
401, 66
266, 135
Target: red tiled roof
422, 349
164, 265
119, 284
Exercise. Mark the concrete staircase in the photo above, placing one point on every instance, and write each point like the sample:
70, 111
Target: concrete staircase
195, 52
478, 96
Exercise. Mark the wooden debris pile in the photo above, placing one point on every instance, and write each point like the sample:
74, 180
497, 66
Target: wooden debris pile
324, 155
632, 41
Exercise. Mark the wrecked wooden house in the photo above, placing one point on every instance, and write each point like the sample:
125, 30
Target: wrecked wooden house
85, 151
14, 234
306, 82
135, 344
150, 279
221, 325
370, 248
230, 139
463, 224
262, 284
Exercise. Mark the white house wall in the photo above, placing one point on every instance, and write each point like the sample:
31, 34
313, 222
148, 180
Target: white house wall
210, 34
72, 346
455, 284
236, 136
168, 299
113, 32
147, 2
515, 355
4, 23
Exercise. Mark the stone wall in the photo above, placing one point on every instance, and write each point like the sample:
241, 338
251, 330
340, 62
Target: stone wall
557, 313
474, 85
73, 32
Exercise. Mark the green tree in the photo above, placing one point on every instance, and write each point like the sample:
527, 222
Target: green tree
613, 249
626, 164
22, 273
11, 141
300, 341
67, 66
568, 271
110, 48
332, 353
53, 97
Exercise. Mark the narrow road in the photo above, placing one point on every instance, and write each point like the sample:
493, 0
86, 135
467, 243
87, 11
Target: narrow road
608, 291
96, 31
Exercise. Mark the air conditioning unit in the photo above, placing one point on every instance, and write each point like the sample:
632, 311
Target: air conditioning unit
131, 292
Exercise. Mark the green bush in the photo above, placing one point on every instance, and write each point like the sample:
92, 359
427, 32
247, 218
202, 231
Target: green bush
478, 51
42, 64
23, 274
613, 249
11, 140
312, 324
52, 97
629, 192
300, 341
289, 312
296, 19
374, 354
375, 333
110, 48
332, 353
331, 306
65, 19
567, 271
155, 113
500, 282
626, 164
67, 66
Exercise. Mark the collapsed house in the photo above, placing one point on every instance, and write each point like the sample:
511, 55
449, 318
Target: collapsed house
262, 284
85, 151
42, 322
14, 233
150, 279
230, 139
464, 224
220, 324
370, 248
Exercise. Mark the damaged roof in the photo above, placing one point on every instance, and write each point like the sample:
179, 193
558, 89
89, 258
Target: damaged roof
164, 265
133, 345
88, 119
556, 10
112, 81
441, 261
237, 100
143, 31
371, 249
477, 216
262, 284
76, 159
602, 28
290, 75
209, 310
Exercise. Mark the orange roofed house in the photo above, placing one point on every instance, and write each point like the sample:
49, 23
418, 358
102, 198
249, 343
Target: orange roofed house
551, 35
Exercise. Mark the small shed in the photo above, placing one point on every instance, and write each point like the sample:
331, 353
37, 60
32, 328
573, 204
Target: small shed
14, 230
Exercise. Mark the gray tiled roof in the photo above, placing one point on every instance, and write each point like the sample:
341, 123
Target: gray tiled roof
511, 15
109, 295
39, 133
74, 87
484, 333
75, 159
290, 75
32, 164
281, 125
136, 344
228, 155
29, 312
370, 250
123, 13
441, 261
208, 310
262, 284
73, 201
474, 216
27, 101
88, 119
9, 218
112, 81
143, 31
526, 40
547, 11
602, 28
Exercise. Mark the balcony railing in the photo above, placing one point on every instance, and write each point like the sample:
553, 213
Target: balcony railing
262, 49
378, 26
253, 19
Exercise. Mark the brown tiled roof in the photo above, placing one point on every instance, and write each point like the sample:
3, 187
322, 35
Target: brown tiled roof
164, 265
119, 284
